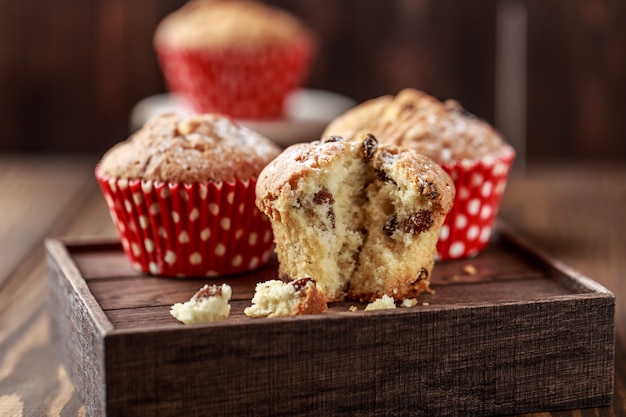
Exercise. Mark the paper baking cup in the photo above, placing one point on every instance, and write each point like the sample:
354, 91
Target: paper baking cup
244, 85
189, 230
470, 223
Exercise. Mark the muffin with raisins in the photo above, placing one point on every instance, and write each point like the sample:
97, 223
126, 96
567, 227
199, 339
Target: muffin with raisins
471, 151
360, 218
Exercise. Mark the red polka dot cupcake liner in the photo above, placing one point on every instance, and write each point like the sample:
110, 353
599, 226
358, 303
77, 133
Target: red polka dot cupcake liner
469, 225
241, 84
189, 230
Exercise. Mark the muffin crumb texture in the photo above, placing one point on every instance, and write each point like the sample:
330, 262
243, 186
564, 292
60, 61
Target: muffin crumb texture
409, 302
276, 298
209, 304
383, 303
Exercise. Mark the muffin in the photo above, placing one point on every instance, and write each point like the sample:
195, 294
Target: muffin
207, 305
275, 298
471, 151
350, 213
240, 58
181, 192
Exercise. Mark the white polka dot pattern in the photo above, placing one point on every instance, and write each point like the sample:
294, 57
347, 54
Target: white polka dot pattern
247, 85
479, 187
190, 230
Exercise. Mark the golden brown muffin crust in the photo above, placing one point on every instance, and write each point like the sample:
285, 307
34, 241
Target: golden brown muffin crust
425, 173
415, 120
189, 149
214, 23
295, 162
299, 160
313, 301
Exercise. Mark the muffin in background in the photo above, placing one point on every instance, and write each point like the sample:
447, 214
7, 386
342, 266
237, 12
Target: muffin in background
240, 58
470, 150
181, 192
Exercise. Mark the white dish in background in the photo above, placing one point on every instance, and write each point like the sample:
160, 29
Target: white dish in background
307, 113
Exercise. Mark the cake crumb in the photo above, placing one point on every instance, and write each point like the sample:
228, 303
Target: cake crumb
383, 303
409, 302
352, 309
275, 298
425, 304
207, 305
469, 269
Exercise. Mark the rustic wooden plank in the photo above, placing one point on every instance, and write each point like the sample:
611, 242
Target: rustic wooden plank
119, 287
33, 196
40, 196
116, 286
139, 312
146, 292
29, 367
78, 326
155, 316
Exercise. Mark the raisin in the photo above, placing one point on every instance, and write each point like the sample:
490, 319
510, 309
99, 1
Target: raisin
323, 196
390, 226
430, 190
331, 216
382, 176
418, 222
300, 283
334, 138
370, 145
207, 291
422, 275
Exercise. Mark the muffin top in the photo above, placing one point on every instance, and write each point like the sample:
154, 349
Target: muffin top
189, 149
412, 119
303, 159
215, 23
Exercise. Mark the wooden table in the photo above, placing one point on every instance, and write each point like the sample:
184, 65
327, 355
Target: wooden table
573, 211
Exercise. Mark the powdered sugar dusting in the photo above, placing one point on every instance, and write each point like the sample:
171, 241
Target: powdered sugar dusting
190, 149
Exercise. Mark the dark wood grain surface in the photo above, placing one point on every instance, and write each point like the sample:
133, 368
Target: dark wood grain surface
573, 211
70, 84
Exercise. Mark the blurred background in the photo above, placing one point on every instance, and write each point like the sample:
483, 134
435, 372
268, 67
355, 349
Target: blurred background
551, 75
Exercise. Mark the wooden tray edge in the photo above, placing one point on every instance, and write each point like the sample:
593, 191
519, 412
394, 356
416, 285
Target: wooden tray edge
58, 249
561, 269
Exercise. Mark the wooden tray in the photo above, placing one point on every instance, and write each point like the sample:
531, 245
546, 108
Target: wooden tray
523, 334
